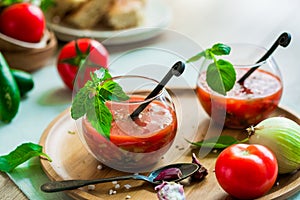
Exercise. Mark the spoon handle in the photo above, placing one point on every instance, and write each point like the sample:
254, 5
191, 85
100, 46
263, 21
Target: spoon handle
57, 186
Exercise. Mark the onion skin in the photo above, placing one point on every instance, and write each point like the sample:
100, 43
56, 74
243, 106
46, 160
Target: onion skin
282, 136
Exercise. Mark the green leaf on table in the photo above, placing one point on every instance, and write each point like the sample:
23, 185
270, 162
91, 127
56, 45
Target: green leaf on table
221, 76
21, 154
220, 142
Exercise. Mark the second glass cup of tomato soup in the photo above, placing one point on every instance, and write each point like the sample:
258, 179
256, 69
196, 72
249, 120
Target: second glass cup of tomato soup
134, 145
249, 103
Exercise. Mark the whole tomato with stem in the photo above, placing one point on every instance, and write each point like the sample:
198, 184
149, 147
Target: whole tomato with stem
23, 21
246, 171
74, 54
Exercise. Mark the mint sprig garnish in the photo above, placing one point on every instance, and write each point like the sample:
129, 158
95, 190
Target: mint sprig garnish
21, 154
90, 101
220, 74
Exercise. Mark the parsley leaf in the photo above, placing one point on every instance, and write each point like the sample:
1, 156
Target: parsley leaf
220, 75
90, 100
21, 154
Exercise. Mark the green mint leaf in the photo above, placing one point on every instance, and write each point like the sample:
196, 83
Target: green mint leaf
221, 76
220, 142
90, 100
21, 154
220, 49
83, 101
100, 118
101, 75
113, 91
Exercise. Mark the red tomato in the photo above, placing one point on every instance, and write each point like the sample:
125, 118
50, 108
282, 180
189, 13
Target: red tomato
88, 51
246, 171
23, 21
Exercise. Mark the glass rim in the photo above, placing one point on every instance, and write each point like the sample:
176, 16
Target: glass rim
138, 102
250, 65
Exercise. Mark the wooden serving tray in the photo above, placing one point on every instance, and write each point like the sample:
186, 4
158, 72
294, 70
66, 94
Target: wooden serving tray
72, 161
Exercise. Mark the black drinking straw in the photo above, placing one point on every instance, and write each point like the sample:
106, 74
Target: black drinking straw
283, 40
176, 70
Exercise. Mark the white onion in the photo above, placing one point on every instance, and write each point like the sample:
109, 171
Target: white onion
282, 136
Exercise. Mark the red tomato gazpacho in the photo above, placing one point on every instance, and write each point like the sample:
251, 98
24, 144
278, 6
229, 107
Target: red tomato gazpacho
243, 105
134, 144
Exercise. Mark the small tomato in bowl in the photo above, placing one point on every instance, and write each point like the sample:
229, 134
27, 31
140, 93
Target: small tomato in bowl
246, 171
77, 52
23, 21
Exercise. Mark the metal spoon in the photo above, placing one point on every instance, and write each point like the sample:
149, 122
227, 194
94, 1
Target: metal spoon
187, 170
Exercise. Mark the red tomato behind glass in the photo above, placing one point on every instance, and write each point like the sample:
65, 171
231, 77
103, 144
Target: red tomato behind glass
246, 171
23, 21
76, 52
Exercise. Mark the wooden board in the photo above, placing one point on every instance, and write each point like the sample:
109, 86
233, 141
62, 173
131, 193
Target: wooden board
72, 161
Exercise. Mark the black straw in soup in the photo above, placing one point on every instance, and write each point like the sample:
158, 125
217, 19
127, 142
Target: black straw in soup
283, 40
176, 70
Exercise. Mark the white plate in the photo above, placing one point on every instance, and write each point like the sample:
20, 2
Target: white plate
157, 17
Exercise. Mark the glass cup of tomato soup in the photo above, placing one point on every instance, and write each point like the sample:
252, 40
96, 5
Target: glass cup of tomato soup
134, 145
249, 103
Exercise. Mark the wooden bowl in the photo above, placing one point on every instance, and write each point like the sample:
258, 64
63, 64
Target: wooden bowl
10, 44
28, 56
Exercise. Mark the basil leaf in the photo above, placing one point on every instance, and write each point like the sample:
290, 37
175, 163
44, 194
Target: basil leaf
221, 76
220, 49
21, 154
220, 142
196, 57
